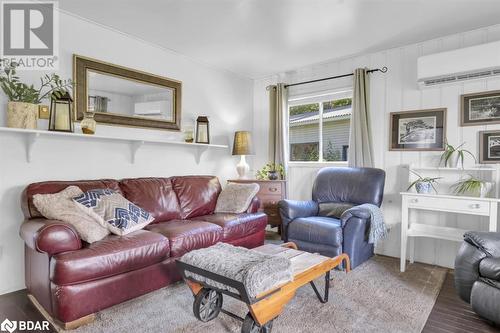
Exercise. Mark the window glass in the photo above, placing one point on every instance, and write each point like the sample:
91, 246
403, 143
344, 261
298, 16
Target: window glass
336, 123
319, 132
304, 132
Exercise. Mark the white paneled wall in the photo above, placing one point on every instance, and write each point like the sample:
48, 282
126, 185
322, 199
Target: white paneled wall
394, 91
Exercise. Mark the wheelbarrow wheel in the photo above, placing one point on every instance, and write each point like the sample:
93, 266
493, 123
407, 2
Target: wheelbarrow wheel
207, 304
251, 326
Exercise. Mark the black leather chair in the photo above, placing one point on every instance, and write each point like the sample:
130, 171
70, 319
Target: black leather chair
330, 236
477, 273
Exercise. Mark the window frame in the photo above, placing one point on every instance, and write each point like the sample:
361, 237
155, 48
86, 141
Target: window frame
315, 98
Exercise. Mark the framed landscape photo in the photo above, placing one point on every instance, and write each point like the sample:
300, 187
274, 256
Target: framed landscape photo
418, 130
480, 108
489, 147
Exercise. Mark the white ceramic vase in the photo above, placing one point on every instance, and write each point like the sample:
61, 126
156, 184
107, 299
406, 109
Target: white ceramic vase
22, 115
453, 160
485, 189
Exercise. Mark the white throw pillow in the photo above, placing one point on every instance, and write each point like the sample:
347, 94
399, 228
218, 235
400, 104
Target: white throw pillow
113, 211
60, 206
236, 198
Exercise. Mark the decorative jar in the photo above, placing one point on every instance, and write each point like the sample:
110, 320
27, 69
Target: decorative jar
88, 123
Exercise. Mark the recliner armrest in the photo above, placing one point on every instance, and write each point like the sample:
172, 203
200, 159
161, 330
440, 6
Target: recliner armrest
358, 212
292, 209
50, 236
487, 242
490, 268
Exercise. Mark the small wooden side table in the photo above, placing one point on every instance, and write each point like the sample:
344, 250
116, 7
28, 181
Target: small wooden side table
270, 193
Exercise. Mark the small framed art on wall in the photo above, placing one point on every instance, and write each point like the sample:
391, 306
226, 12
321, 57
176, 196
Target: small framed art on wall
418, 130
480, 108
489, 147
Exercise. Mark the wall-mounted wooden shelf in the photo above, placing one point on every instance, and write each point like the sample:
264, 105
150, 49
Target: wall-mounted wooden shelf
32, 137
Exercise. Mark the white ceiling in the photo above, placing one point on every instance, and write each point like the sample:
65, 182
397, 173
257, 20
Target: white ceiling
256, 38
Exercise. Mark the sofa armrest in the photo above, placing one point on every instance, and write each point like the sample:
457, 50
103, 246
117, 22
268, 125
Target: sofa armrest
50, 236
254, 205
487, 242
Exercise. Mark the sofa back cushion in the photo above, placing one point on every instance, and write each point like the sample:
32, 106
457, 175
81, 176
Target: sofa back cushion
197, 194
50, 187
155, 195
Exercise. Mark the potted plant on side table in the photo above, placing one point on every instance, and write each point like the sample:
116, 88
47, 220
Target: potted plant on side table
453, 155
423, 185
22, 108
472, 186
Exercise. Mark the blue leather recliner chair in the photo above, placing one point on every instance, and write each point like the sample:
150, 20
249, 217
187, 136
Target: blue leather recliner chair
303, 224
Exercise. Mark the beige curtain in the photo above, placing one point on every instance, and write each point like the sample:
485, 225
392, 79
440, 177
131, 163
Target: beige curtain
360, 139
278, 147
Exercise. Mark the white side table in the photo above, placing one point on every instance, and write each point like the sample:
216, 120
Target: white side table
441, 203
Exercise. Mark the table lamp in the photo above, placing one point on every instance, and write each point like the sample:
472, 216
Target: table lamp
242, 146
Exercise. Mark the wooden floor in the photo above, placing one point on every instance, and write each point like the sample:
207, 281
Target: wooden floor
16, 306
451, 314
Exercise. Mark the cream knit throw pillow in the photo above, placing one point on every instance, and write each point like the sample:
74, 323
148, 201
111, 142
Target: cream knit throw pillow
60, 206
236, 198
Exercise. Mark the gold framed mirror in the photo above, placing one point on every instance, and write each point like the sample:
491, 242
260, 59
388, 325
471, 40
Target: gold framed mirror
125, 97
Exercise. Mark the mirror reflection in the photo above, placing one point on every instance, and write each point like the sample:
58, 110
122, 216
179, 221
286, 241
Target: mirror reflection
116, 95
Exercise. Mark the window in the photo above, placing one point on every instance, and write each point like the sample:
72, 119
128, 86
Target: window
319, 127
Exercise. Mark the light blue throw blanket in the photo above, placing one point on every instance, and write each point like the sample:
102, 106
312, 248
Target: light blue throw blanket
378, 230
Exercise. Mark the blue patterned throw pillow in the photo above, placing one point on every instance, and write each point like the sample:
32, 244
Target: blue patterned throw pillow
113, 211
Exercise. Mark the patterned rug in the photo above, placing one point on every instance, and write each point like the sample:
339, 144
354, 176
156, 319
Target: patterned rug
375, 297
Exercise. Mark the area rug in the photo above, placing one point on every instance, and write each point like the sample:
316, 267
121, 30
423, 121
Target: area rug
375, 297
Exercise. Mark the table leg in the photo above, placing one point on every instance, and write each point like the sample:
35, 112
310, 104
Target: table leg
404, 231
412, 249
323, 299
493, 216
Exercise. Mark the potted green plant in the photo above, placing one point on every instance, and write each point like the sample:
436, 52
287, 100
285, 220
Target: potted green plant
423, 185
271, 171
472, 186
452, 155
22, 109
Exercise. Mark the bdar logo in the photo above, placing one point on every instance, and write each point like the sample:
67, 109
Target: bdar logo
8, 326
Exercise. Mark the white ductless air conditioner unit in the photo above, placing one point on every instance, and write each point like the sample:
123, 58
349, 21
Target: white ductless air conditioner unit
468, 63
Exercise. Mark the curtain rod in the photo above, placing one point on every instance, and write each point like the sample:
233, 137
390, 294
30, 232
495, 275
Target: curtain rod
382, 70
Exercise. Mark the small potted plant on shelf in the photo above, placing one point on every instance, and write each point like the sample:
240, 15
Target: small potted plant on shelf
423, 185
271, 171
22, 109
453, 155
472, 186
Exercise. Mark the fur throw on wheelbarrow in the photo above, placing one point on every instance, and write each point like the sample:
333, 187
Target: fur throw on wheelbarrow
257, 271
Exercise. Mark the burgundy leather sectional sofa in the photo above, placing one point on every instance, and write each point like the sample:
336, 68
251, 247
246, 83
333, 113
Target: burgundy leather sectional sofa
72, 279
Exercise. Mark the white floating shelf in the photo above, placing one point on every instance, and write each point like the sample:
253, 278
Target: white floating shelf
32, 137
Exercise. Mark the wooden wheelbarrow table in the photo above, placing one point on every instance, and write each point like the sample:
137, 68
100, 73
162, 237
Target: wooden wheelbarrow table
265, 307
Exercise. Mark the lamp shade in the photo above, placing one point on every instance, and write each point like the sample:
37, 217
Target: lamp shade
242, 143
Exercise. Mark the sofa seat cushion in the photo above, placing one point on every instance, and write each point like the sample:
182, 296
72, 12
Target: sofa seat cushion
110, 256
185, 235
316, 229
236, 226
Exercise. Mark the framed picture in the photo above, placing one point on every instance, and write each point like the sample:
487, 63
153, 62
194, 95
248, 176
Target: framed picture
489, 147
480, 108
418, 130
